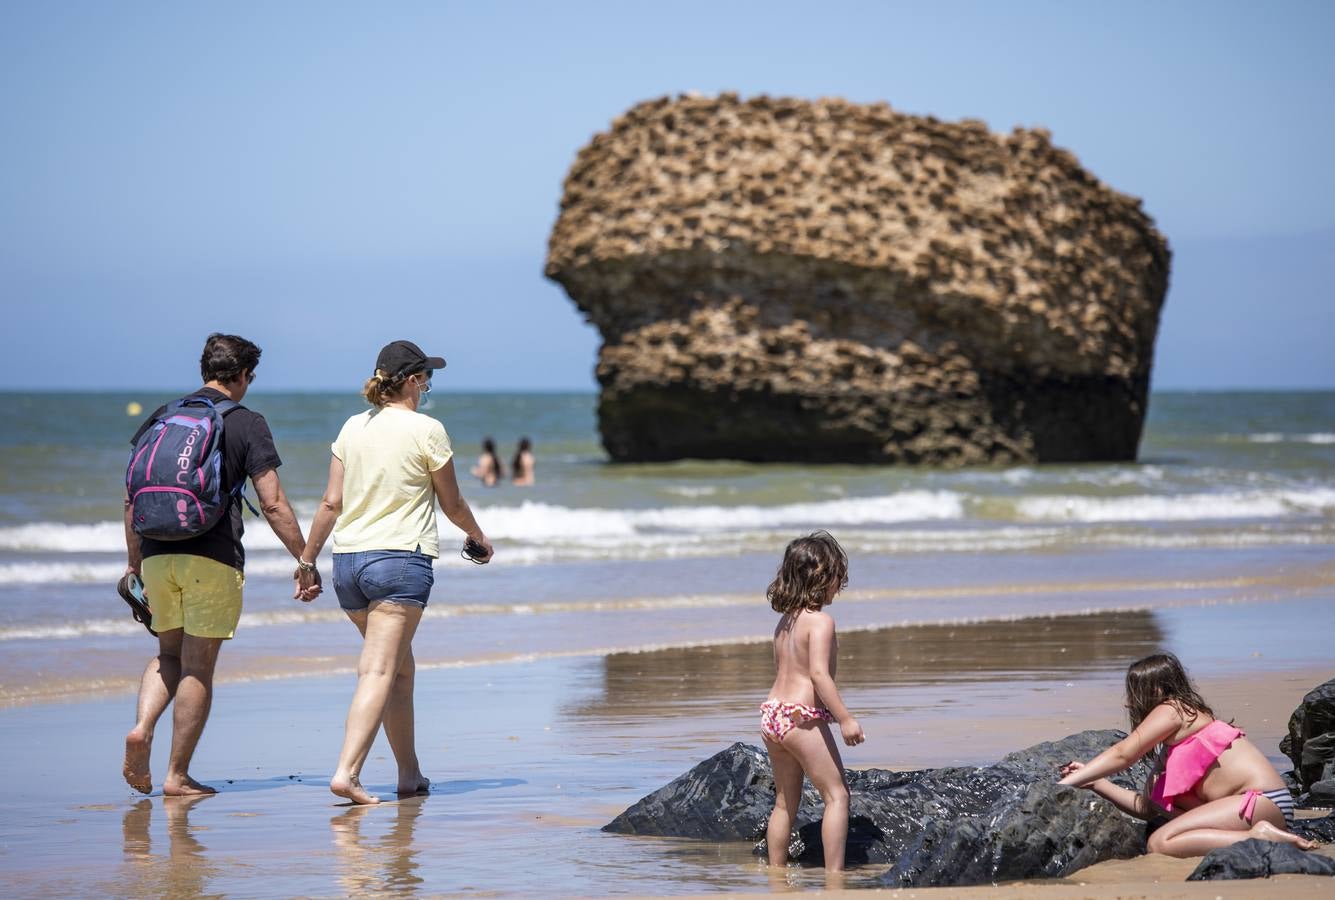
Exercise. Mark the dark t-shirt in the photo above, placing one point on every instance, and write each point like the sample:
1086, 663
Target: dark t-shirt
248, 450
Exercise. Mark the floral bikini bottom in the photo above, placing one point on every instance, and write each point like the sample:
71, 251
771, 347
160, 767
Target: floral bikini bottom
778, 717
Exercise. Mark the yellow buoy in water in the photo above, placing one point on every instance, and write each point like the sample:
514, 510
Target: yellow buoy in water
133, 409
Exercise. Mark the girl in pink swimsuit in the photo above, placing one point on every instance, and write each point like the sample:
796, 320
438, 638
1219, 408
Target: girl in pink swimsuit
1213, 783
795, 719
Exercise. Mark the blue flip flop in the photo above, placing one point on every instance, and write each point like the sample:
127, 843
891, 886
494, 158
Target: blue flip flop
131, 590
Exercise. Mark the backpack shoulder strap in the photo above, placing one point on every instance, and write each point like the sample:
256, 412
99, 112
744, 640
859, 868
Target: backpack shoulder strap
223, 407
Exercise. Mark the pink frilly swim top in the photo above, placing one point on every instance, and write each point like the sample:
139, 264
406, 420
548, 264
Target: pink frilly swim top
1189, 759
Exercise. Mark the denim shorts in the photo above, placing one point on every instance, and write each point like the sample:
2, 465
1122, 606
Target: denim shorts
398, 576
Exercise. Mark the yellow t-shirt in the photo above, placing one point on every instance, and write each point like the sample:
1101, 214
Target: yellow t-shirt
388, 503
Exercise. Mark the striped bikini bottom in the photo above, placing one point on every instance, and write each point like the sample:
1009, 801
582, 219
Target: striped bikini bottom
1279, 796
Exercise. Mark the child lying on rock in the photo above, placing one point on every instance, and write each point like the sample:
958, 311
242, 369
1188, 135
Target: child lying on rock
1213, 783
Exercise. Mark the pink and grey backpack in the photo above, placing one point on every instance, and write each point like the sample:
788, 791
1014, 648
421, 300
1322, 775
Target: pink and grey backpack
174, 480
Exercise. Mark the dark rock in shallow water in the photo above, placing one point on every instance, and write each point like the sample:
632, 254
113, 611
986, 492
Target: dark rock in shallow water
1310, 742
938, 826
1042, 831
728, 797
1260, 859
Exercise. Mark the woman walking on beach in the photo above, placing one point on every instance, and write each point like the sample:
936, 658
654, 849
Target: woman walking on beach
389, 467
1213, 783
794, 719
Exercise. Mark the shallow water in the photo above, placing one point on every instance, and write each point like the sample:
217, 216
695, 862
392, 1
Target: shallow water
588, 613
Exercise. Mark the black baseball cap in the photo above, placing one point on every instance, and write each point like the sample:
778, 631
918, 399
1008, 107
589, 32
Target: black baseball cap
404, 357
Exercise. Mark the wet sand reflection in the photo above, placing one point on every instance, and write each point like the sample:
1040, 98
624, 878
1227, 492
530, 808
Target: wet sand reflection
684, 681
185, 871
378, 866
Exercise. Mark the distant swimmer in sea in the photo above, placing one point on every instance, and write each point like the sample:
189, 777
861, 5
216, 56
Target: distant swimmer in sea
795, 719
488, 469
389, 467
1212, 784
521, 467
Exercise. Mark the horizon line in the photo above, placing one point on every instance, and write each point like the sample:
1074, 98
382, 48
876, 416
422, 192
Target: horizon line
593, 391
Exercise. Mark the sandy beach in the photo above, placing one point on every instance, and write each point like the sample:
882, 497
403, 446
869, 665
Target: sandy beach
529, 759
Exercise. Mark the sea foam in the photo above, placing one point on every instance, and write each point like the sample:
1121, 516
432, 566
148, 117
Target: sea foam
919, 521
1178, 507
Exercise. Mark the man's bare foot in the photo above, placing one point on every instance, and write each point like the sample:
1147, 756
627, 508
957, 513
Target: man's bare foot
1266, 832
349, 788
414, 784
138, 748
185, 786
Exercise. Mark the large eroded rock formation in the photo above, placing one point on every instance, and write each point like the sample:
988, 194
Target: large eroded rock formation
789, 280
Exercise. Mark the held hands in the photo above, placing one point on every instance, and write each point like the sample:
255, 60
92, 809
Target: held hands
306, 584
851, 731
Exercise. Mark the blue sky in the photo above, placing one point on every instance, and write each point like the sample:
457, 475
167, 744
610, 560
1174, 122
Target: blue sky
324, 177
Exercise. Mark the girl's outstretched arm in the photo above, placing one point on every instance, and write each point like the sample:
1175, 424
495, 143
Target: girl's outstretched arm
1161, 724
818, 652
1125, 799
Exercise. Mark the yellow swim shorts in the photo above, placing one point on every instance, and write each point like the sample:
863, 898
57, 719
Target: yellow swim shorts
201, 595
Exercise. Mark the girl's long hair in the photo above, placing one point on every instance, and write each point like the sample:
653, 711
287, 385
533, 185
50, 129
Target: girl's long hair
517, 464
811, 566
1156, 679
1161, 679
489, 450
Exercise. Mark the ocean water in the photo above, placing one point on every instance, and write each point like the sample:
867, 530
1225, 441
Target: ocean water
1228, 487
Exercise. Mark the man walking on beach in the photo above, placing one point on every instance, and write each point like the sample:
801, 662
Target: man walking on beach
194, 584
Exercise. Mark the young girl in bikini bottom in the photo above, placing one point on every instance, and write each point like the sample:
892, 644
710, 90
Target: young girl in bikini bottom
1213, 783
794, 721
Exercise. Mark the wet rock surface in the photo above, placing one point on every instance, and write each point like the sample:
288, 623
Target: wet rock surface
1321, 830
1310, 744
1260, 859
780, 279
958, 825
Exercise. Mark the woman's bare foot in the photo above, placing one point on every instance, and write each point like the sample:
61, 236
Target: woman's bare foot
185, 786
138, 748
349, 788
1264, 831
414, 784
